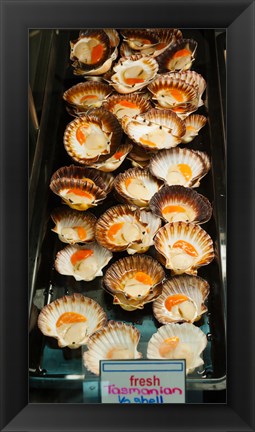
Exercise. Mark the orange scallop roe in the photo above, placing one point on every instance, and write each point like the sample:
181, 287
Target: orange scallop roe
80, 192
132, 81
190, 128
127, 104
81, 255
84, 98
182, 53
186, 247
97, 53
173, 209
118, 155
147, 142
81, 232
174, 300
168, 345
143, 278
70, 318
112, 231
80, 135
177, 94
128, 182
185, 170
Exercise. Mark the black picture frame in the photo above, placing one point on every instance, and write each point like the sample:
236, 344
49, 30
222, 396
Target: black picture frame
238, 18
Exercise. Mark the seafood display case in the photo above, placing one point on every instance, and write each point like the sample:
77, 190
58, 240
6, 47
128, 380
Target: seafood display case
106, 256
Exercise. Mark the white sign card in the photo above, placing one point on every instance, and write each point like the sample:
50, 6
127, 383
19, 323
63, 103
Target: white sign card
143, 381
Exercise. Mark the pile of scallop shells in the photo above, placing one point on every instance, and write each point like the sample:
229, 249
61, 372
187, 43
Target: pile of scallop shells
134, 106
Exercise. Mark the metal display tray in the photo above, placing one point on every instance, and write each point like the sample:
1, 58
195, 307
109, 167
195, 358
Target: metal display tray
56, 368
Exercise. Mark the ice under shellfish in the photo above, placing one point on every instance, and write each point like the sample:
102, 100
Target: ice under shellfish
179, 203
184, 246
72, 226
182, 299
71, 320
136, 186
175, 341
178, 166
134, 281
92, 137
116, 341
84, 263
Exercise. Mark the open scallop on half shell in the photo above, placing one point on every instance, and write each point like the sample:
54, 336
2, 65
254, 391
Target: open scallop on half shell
136, 186
133, 73
175, 341
178, 166
182, 299
127, 105
134, 281
155, 130
84, 263
116, 341
184, 246
120, 227
73, 226
86, 95
92, 137
178, 56
179, 203
71, 320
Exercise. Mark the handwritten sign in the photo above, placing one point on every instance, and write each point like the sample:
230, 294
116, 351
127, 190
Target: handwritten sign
143, 381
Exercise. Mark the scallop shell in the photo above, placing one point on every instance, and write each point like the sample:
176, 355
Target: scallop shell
166, 37
78, 194
170, 93
134, 281
115, 160
139, 154
113, 36
139, 39
130, 105
195, 80
191, 344
73, 226
136, 186
184, 246
86, 95
129, 228
177, 166
72, 334
133, 73
90, 50
92, 137
193, 124
179, 56
179, 203
153, 224
116, 341
83, 266
103, 181
155, 130
196, 291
